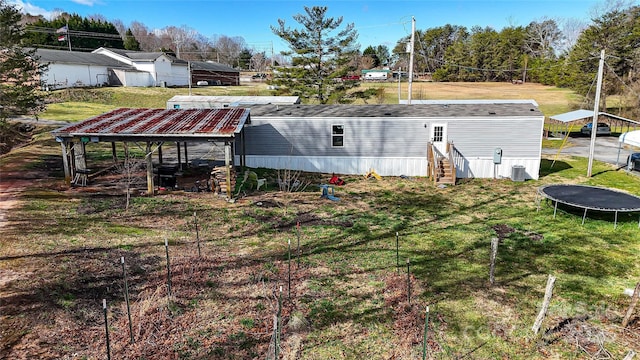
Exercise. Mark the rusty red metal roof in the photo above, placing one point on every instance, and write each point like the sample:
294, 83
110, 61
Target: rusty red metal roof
191, 123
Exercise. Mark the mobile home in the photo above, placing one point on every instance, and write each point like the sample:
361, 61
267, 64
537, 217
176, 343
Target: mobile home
485, 139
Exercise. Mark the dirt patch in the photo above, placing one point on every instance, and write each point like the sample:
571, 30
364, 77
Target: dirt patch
504, 231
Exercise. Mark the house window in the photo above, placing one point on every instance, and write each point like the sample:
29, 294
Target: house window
438, 133
176, 106
337, 135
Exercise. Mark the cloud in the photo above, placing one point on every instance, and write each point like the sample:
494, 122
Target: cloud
86, 2
28, 8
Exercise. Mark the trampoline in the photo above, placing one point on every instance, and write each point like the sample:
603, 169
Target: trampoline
590, 198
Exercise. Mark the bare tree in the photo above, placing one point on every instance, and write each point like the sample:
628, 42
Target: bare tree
600, 9
543, 37
132, 173
228, 49
259, 62
571, 30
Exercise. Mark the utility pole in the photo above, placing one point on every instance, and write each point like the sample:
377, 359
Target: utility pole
399, 88
189, 71
413, 38
596, 112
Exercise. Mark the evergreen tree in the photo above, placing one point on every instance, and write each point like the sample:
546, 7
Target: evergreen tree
321, 53
618, 33
19, 69
130, 42
85, 34
371, 52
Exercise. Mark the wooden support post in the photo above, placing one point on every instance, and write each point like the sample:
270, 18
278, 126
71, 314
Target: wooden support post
149, 159
494, 253
160, 154
80, 156
634, 302
179, 156
227, 164
65, 163
545, 304
186, 154
243, 158
114, 153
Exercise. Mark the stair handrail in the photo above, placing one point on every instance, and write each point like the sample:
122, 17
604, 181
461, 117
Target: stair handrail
452, 165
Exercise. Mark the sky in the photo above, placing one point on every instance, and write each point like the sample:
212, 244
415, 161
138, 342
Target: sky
378, 22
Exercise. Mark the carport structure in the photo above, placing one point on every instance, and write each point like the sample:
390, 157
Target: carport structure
569, 119
153, 128
564, 122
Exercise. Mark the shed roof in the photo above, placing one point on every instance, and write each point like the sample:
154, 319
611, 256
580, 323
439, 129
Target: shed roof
630, 138
159, 124
211, 66
581, 114
77, 57
573, 115
444, 110
237, 100
144, 55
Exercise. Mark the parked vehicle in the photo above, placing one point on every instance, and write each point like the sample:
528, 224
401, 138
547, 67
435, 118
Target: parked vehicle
634, 161
602, 129
351, 78
259, 76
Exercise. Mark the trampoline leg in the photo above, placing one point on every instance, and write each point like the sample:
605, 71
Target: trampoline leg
638, 223
584, 216
615, 222
555, 208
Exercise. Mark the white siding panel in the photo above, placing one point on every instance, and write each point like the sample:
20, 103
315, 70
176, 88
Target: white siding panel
353, 165
485, 168
478, 168
69, 75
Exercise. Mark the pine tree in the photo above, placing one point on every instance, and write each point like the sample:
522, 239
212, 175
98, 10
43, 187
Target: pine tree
19, 69
321, 54
130, 41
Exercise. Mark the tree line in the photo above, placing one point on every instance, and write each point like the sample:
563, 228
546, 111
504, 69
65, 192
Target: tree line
547, 51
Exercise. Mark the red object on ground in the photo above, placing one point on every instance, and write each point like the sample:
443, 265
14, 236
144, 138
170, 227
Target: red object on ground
335, 180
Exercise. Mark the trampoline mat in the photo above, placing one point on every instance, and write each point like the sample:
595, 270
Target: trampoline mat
592, 197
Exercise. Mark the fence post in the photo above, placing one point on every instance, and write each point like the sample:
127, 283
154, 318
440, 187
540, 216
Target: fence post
408, 281
298, 234
634, 301
426, 329
545, 304
106, 328
397, 254
126, 298
166, 247
494, 253
195, 221
289, 275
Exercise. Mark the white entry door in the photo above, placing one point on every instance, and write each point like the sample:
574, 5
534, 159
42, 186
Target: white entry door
439, 137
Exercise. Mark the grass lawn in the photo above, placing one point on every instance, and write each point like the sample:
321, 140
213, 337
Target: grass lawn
79, 104
347, 291
61, 250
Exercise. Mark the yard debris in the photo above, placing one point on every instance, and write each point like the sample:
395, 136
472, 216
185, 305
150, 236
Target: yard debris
372, 174
328, 192
335, 180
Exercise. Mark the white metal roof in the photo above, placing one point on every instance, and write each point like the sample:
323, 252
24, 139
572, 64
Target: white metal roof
585, 114
573, 115
630, 138
471, 102
237, 100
